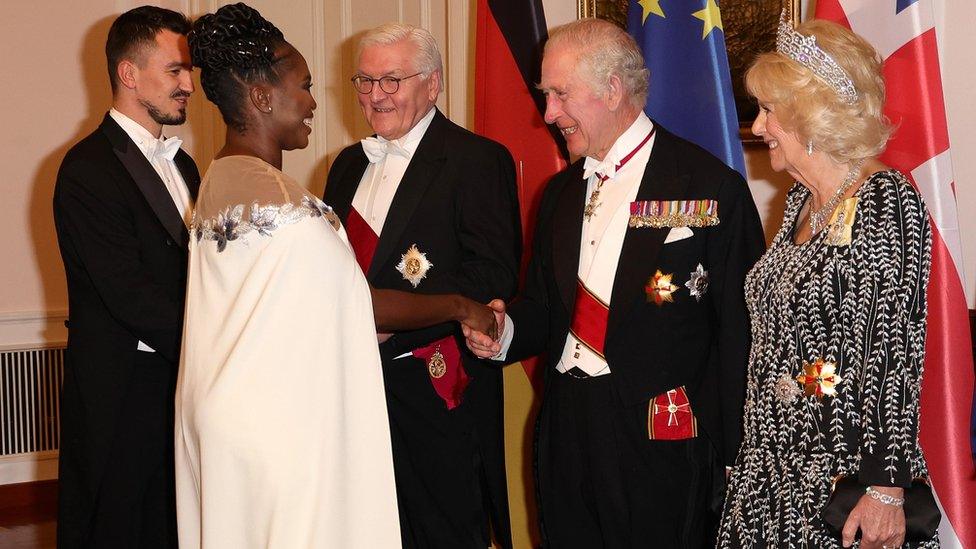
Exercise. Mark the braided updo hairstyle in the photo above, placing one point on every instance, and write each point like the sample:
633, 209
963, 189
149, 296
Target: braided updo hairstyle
234, 47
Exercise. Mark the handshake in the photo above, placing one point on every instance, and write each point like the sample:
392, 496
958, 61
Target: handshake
483, 328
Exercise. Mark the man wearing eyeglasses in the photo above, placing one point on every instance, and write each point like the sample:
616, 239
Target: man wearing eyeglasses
430, 207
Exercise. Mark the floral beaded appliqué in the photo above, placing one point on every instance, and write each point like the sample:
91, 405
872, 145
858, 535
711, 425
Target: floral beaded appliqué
232, 224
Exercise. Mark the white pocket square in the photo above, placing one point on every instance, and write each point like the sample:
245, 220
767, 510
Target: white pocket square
678, 233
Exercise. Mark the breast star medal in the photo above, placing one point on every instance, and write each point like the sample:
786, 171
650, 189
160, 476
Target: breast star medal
414, 265
819, 378
659, 288
698, 283
436, 365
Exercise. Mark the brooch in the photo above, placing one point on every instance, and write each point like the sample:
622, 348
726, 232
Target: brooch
673, 213
786, 390
436, 365
841, 223
414, 265
659, 288
698, 283
819, 378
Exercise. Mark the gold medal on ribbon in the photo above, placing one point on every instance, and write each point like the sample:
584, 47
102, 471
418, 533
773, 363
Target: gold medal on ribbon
436, 365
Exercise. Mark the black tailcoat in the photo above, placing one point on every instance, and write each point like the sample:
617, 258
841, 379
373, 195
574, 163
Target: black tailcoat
124, 248
458, 203
702, 345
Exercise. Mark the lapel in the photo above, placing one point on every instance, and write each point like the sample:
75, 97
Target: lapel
424, 167
191, 176
638, 255
567, 232
148, 181
348, 176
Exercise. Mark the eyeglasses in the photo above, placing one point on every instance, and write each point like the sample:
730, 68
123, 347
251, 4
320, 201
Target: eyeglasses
389, 84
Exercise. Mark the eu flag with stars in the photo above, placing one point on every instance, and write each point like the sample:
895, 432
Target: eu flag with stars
691, 88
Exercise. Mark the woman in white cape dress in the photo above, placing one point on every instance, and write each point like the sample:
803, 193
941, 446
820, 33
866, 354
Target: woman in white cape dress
282, 435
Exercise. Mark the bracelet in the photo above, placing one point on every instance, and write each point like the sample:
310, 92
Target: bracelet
884, 498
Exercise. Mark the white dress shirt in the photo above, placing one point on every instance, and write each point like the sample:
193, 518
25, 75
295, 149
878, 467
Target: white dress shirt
382, 179
165, 168
602, 234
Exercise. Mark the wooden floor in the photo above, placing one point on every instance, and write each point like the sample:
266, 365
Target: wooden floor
28, 514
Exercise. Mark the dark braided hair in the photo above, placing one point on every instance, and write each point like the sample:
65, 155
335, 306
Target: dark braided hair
234, 47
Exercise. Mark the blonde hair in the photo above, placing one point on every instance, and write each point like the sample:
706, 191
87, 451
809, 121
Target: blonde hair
812, 109
604, 50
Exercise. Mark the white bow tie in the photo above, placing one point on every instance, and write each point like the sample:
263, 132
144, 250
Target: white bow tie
376, 149
164, 148
606, 167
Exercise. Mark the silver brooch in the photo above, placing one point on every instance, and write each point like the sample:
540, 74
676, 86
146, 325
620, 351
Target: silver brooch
698, 283
414, 265
787, 389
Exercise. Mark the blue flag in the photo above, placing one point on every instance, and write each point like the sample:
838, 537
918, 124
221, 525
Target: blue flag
691, 89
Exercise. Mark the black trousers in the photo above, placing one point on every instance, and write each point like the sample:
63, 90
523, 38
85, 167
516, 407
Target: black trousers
603, 483
437, 460
135, 504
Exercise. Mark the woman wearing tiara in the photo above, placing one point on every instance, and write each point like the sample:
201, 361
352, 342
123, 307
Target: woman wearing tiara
837, 306
282, 435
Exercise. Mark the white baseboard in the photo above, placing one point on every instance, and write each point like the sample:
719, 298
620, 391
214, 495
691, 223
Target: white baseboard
32, 329
28, 467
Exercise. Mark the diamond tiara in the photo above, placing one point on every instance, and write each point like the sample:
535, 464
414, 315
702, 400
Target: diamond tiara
804, 50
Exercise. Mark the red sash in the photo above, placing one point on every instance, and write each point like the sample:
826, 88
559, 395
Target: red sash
449, 383
362, 238
452, 379
669, 416
590, 317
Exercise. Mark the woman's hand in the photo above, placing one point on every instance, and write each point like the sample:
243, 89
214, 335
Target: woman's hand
881, 525
478, 317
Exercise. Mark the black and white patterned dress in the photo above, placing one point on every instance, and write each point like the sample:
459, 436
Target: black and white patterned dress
859, 305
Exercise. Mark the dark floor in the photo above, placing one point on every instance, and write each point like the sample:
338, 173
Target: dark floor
28, 515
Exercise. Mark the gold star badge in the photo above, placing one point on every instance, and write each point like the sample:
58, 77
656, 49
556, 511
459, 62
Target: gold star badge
819, 378
414, 265
659, 288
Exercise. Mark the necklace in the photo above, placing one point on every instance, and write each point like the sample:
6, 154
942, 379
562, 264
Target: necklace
819, 218
593, 203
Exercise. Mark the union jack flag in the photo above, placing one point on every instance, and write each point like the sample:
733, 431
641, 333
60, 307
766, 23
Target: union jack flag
903, 32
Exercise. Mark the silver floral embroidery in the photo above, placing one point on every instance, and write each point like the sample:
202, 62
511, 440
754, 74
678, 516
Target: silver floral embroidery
231, 224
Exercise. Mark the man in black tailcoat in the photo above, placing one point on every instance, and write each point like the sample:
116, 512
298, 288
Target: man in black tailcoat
121, 203
431, 207
635, 291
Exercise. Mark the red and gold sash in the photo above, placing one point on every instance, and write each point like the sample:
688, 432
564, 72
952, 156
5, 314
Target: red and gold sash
362, 238
590, 317
443, 357
447, 375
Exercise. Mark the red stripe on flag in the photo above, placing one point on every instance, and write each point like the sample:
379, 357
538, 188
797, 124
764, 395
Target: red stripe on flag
914, 103
947, 392
505, 112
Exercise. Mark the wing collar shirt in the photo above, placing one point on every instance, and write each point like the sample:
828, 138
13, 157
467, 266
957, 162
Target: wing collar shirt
382, 177
160, 153
603, 234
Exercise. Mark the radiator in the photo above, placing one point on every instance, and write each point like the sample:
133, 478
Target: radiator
30, 393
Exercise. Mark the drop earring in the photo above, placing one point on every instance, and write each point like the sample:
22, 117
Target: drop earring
810, 147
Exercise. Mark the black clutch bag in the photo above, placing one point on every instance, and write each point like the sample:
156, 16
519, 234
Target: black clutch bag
922, 515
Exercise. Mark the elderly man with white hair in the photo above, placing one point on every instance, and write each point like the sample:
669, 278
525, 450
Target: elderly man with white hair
430, 207
635, 292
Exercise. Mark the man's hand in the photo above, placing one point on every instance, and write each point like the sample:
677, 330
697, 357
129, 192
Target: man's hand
482, 344
881, 525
